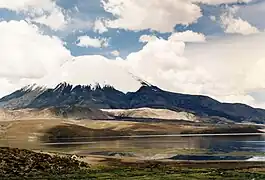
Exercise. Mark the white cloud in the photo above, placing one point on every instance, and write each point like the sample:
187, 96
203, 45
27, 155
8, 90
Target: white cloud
224, 68
232, 24
213, 18
187, 36
9, 85
75, 24
232, 63
147, 38
115, 53
255, 77
95, 69
28, 5
43, 11
156, 14
242, 98
28, 54
86, 41
253, 13
167, 67
99, 26
56, 20
216, 2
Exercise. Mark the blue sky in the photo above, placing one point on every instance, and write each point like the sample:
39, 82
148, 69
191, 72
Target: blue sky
125, 41
210, 47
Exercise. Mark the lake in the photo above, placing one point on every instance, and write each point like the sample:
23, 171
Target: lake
159, 147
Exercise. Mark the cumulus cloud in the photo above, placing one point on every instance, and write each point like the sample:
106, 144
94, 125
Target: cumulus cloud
28, 5
236, 59
91, 69
187, 36
233, 24
28, 54
56, 20
255, 77
75, 24
147, 38
156, 15
213, 18
44, 12
224, 68
167, 66
163, 58
253, 13
215, 2
99, 26
87, 41
115, 53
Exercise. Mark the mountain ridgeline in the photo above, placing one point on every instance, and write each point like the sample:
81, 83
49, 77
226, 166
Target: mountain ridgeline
108, 97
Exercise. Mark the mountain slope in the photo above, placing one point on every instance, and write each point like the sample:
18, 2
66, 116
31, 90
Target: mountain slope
147, 96
70, 112
22, 97
65, 94
149, 113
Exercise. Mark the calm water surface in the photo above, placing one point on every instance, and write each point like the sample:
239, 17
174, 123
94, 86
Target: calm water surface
212, 143
151, 146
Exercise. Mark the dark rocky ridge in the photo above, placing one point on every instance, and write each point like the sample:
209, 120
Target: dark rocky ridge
148, 95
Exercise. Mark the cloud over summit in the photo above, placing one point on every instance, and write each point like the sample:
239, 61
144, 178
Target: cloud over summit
174, 44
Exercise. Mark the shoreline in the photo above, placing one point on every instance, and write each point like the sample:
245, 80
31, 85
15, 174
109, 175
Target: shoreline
19, 163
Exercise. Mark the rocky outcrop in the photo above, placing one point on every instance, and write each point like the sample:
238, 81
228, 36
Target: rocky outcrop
24, 163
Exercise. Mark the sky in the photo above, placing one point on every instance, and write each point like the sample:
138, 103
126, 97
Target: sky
208, 47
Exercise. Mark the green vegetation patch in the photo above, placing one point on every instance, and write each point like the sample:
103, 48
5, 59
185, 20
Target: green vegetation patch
167, 172
24, 164
122, 173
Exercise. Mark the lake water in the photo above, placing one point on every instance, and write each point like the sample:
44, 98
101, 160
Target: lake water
220, 143
248, 146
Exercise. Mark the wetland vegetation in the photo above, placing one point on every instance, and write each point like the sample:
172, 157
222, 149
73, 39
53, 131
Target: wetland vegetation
24, 164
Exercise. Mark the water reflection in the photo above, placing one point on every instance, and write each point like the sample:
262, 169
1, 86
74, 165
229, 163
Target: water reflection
233, 143
225, 144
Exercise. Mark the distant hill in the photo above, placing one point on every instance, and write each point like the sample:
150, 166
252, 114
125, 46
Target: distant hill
148, 96
70, 112
151, 113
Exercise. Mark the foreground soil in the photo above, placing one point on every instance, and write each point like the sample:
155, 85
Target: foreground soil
24, 164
